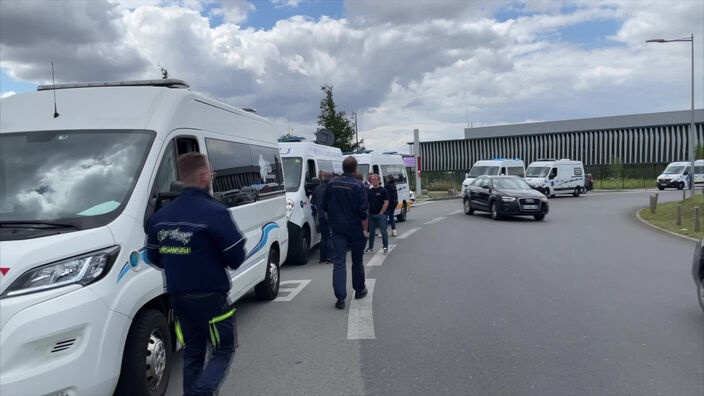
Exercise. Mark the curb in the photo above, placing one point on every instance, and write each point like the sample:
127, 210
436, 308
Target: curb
662, 229
443, 198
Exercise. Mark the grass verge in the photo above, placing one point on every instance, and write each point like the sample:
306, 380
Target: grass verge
665, 216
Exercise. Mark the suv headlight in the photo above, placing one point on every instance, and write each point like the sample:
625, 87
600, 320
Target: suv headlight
81, 270
508, 199
544, 198
289, 209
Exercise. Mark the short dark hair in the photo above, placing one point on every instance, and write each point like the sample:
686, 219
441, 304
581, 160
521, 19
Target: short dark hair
349, 165
190, 164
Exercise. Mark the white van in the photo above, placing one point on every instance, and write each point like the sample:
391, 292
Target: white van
80, 310
389, 163
303, 162
497, 166
676, 175
552, 177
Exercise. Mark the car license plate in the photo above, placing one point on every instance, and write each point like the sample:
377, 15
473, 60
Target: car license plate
530, 207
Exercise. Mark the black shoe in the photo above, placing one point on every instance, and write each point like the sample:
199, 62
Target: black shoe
361, 293
340, 304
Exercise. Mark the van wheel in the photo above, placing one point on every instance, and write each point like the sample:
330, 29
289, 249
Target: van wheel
576, 192
661, 188
468, 208
301, 248
402, 216
268, 289
539, 217
680, 186
146, 363
494, 210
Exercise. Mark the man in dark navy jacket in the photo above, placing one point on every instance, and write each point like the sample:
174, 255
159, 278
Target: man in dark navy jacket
193, 239
346, 205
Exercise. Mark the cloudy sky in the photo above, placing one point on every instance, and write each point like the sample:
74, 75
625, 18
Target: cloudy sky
398, 64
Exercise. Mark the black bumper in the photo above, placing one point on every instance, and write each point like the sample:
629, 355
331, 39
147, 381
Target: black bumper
515, 208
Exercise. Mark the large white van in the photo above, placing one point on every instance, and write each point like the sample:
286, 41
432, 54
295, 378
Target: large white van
676, 175
497, 166
303, 161
80, 310
383, 164
554, 177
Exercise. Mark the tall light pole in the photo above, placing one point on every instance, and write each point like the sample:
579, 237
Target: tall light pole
356, 135
691, 126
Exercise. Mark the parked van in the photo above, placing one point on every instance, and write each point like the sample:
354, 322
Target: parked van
557, 177
303, 161
81, 312
497, 166
383, 164
676, 175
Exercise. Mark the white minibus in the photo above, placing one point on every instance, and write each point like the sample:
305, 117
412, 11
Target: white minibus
676, 175
554, 177
81, 312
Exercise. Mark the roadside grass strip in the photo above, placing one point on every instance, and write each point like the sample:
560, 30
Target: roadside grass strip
378, 258
437, 220
360, 321
665, 216
408, 233
292, 292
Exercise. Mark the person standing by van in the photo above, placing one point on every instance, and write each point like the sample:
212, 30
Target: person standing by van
193, 239
393, 202
345, 203
378, 199
324, 227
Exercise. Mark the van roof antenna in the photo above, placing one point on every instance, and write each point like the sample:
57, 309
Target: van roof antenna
53, 82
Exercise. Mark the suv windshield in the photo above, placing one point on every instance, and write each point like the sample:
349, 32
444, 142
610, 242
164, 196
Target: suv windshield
69, 176
510, 184
537, 171
292, 173
483, 170
674, 170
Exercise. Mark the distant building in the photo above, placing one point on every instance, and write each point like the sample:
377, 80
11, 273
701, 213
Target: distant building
630, 139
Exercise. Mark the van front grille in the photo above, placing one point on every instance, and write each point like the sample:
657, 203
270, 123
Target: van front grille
63, 345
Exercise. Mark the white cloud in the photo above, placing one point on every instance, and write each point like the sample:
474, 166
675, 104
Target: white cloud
7, 94
288, 3
236, 11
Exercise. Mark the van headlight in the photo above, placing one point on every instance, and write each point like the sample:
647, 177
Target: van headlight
508, 199
79, 270
289, 209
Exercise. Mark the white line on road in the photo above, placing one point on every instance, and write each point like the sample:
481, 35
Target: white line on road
378, 258
455, 212
360, 321
433, 221
292, 291
408, 233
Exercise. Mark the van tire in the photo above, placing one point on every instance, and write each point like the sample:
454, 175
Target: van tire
680, 186
300, 247
661, 188
268, 289
468, 210
576, 192
402, 216
149, 330
539, 217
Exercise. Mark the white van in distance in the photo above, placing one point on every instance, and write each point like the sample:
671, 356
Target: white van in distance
497, 166
389, 163
303, 162
81, 312
676, 175
557, 177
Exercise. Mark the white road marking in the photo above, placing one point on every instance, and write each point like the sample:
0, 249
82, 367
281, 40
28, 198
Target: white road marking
360, 321
433, 221
378, 258
292, 291
408, 233
421, 203
456, 212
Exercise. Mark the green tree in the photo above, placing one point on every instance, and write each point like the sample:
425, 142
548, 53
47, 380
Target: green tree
337, 122
164, 72
699, 153
287, 135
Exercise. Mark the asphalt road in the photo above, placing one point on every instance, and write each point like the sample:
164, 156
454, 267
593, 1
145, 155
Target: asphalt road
587, 302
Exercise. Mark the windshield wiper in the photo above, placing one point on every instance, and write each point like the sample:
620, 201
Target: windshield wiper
36, 224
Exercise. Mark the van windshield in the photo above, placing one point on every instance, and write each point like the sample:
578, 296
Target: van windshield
674, 170
79, 177
363, 170
292, 173
483, 170
537, 171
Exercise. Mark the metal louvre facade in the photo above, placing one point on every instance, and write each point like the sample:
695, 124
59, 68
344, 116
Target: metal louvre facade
638, 144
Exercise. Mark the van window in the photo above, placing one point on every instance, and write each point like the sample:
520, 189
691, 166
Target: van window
244, 172
578, 171
310, 170
674, 170
292, 173
363, 169
515, 171
398, 172
553, 173
326, 166
699, 169
167, 172
503, 170
483, 170
375, 169
537, 171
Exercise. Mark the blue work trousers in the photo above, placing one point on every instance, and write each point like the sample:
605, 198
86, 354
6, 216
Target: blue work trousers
354, 238
202, 318
326, 249
390, 217
378, 221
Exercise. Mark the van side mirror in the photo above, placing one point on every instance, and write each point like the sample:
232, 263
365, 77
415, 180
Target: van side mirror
466, 175
311, 185
686, 173
161, 199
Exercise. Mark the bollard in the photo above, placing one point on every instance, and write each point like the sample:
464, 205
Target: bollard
653, 203
697, 223
679, 215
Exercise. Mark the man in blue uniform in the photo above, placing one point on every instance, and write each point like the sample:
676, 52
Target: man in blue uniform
316, 200
345, 203
193, 239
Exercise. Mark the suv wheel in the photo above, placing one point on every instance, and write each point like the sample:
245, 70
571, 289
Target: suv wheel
468, 207
494, 210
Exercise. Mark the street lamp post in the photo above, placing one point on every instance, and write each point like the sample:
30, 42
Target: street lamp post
356, 135
691, 126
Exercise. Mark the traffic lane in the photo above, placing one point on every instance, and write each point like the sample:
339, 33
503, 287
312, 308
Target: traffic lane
586, 302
